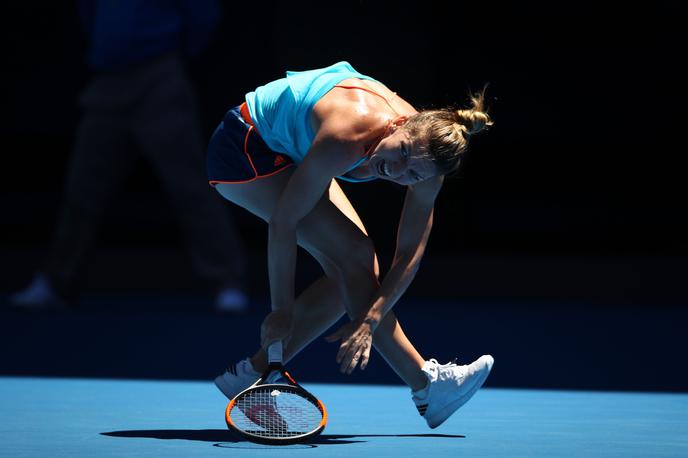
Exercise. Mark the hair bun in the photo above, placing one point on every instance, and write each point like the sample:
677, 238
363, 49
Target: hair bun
472, 121
444, 134
475, 119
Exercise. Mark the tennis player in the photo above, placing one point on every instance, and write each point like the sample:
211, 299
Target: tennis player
279, 155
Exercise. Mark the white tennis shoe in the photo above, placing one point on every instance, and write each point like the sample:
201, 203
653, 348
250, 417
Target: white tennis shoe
238, 377
449, 387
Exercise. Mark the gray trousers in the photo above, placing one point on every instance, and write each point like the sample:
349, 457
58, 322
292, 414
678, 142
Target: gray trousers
150, 110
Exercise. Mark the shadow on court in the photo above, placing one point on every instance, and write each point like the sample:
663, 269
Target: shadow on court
221, 436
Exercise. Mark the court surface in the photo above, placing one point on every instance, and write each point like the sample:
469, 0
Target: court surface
60, 417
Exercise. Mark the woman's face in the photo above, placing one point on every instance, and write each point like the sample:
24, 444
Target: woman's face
397, 158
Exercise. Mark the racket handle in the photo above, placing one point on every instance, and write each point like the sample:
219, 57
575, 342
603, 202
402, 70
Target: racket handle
275, 352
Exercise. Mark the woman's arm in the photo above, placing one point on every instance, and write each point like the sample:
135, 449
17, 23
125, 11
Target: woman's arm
327, 158
415, 225
414, 229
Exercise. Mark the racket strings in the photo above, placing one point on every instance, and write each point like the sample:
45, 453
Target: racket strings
275, 413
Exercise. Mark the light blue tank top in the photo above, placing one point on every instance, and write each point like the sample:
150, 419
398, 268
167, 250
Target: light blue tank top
281, 110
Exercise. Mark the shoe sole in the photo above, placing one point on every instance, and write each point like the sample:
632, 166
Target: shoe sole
454, 406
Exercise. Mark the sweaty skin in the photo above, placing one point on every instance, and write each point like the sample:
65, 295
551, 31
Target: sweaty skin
396, 156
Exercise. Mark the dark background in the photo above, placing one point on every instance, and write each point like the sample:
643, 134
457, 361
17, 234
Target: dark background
569, 215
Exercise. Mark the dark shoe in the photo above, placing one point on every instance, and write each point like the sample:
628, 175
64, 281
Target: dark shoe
39, 294
232, 300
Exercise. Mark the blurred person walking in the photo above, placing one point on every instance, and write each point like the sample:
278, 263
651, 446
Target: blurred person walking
141, 101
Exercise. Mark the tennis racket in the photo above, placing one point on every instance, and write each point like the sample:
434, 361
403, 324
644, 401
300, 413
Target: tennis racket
276, 413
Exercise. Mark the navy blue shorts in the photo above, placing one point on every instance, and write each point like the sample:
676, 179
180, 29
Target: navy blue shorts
237, 153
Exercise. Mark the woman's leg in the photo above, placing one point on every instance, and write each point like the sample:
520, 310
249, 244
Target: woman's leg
389, 339
334, 234
315, 310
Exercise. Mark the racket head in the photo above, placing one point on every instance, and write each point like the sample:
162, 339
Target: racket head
276, 414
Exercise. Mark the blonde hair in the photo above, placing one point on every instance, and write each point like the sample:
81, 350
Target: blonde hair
443, 135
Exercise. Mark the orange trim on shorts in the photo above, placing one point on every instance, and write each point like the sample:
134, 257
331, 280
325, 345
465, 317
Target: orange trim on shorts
248, 156
243, 109
250, 161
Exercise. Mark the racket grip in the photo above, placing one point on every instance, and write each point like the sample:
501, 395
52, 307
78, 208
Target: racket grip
275, 352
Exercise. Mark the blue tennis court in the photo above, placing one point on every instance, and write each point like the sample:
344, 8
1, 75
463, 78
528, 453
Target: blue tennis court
62, 417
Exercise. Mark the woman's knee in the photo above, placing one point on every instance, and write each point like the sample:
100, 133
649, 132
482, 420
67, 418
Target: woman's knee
355, 275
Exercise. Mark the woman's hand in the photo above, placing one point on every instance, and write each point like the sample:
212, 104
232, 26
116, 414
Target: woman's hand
357, 340
276, 326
